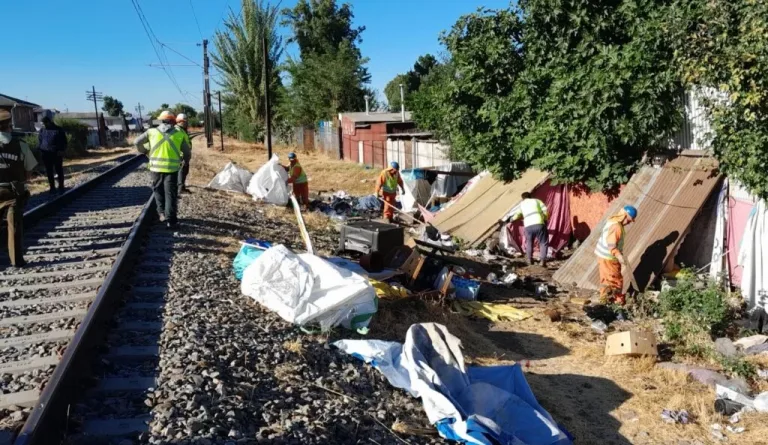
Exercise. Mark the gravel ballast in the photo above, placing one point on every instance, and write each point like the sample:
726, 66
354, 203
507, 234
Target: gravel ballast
231, 372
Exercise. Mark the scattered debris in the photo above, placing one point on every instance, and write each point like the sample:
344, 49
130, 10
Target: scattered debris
708, 377
509, 278
762, 373
736, 430
490, 311
676, 416
599, 326
553, 314
735, 418
725, 347
717, 433
748, 342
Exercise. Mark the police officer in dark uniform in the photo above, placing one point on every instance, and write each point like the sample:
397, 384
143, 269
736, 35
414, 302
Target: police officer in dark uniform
16, 163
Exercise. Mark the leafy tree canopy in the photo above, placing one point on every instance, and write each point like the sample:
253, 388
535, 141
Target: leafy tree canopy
411, 81
331, 76
112, 106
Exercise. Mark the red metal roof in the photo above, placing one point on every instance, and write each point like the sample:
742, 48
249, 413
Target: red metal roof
667, 200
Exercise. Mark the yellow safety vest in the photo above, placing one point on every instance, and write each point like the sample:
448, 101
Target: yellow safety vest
165, 150
186, 135
603, 249
390, 182
532, 211
302, 177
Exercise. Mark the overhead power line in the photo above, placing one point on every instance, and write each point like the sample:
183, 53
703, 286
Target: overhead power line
192, 7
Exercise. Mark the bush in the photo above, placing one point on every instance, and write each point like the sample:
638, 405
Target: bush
77, 136
703, 305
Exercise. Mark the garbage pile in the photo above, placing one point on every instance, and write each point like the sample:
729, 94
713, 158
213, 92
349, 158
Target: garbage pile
341, 206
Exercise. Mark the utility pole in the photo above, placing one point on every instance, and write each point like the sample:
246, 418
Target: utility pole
221, 123
267, 105
207, 97
139, 121
96, 97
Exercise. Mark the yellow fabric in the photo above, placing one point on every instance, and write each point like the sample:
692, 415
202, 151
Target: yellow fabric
384, 290
491, 311
165, 150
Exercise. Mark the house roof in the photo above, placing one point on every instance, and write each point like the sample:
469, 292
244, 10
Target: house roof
667, 201
361, 117
8, 101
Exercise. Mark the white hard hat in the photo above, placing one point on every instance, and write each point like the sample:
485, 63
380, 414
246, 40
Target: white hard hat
181, 117
166, 116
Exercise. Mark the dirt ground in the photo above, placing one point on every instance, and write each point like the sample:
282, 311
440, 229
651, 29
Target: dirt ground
598, 399
324, 174
75, 167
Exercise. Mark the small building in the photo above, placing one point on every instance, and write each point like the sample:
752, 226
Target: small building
416, 149
364, 135
22, 112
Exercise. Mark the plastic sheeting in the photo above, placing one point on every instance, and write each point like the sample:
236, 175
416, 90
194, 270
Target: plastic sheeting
446, 186
231, 178
753, 258
556, 198
718, 258
739, 211
304, 289
475, 405
417, 192
268, 183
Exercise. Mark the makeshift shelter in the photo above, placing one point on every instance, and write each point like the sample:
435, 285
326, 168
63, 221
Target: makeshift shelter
555, 197
752, 257
587, 208
667, 198
477, 212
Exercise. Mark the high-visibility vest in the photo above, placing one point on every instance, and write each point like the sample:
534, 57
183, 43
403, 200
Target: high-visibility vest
603, 249
186, 135
389, 184
302, 179
533, 212
165, 150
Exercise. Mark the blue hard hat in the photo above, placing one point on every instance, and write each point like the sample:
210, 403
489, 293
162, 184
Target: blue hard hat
394, 165
291, 155
631, 211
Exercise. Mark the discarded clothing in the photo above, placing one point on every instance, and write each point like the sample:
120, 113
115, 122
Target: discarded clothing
463, 288
385, 290
475, 405
304, 289
231, 178
491, 311
249, 251
675, 416
370, 202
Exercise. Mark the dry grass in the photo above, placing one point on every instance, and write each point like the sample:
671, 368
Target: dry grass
295, 346
74, 167
325, 174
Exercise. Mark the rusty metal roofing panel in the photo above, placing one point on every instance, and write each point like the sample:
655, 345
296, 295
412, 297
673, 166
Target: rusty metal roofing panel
667, 201
478, 212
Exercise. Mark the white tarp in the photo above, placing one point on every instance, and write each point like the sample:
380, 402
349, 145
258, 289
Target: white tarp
446, 186
753, 258
304, 289
475, 405
718, 261
232, 178
417, 192
268, 183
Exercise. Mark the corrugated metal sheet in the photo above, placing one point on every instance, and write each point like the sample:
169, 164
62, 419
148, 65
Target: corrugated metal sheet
667, 199
695, 133
478, 213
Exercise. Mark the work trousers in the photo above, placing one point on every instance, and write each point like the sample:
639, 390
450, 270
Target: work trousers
537, 232
13, 208
301, 192
54, 162
183, 172
611, 280
389, 207
166, 188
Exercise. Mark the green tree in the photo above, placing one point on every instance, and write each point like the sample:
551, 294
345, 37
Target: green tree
478, 101
331, 76
112, 106
186, 109
239, 59
724, 51
411, 81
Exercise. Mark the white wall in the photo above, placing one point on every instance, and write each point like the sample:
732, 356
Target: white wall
425, 153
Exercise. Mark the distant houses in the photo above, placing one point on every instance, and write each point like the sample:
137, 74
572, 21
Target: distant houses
24, 114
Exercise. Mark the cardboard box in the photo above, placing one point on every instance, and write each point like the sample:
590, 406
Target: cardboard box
632, 343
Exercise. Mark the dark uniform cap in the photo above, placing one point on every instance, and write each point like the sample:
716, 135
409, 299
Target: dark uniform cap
5, 116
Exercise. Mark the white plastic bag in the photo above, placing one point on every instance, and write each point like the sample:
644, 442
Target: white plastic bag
305, 289
268, 183
232, 178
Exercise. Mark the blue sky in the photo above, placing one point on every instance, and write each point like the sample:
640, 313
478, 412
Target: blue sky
56, 50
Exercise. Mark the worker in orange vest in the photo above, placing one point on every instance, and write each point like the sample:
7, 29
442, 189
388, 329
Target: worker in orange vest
610, 255
386, 186
298, 177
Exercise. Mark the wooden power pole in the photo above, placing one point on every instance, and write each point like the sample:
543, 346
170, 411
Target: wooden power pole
267, 105
96, 97
207, 97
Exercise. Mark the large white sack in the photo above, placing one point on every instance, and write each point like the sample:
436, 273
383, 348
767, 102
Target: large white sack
232, 178
268, 183
752, 257
305, 289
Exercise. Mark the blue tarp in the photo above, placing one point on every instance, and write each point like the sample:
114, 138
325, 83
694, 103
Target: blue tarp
474, 405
